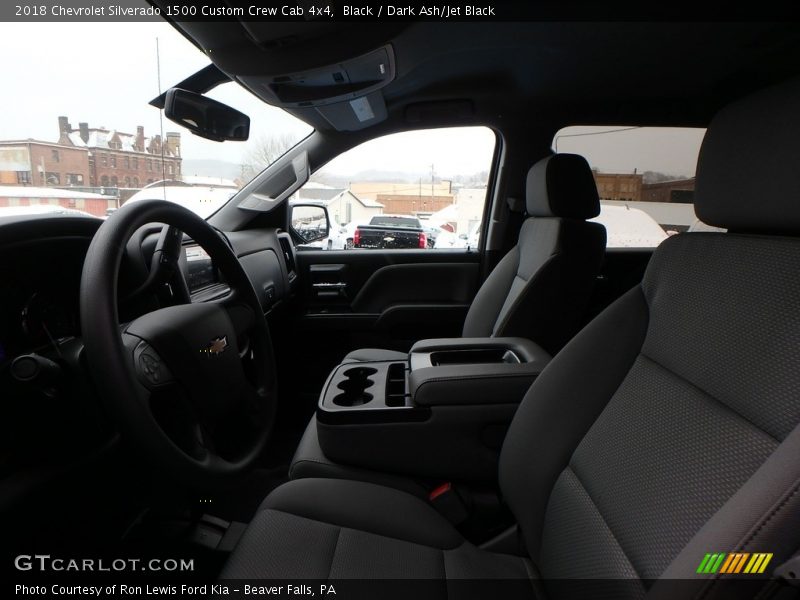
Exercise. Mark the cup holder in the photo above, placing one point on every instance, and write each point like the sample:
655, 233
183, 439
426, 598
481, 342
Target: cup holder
357, 381
349, 399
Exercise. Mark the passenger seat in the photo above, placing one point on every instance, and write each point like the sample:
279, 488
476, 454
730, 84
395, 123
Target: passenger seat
541, 288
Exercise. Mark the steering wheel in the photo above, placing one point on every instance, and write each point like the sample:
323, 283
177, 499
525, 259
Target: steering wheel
193, 385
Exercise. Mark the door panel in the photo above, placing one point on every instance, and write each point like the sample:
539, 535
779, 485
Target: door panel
382, 297
370, 298
427, 283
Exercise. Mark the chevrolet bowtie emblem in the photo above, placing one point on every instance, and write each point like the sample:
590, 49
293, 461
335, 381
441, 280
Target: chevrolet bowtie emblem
217, 346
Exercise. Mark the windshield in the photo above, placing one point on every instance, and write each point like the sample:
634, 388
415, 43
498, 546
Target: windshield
80, 134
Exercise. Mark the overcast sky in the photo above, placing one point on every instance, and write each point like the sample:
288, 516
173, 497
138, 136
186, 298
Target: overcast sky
105, 74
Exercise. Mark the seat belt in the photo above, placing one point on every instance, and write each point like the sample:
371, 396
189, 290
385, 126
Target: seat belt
785, 577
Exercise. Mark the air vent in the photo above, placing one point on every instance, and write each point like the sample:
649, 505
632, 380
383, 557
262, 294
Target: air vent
288, 256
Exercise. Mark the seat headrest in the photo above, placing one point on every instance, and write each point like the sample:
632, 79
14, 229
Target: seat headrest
748, 171
562, 185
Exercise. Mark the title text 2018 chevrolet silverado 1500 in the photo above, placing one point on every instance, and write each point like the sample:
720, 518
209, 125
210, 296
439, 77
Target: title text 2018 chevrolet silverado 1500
390, 232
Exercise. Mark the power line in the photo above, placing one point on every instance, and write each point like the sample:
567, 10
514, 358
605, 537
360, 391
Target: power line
566, 135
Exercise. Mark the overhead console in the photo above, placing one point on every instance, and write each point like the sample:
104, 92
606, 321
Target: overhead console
333, 83
443, 413
346, 93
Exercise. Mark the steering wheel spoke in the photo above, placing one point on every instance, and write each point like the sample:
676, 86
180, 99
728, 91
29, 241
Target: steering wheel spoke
243, 319
151, 370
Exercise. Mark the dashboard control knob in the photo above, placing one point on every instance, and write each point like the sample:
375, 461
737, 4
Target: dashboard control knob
32, 368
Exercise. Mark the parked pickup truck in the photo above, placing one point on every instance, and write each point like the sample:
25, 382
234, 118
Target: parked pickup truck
390, 232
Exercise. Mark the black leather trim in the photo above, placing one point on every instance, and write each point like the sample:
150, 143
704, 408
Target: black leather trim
472, 384
374, 355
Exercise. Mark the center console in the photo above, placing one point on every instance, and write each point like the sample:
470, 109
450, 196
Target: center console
443, 413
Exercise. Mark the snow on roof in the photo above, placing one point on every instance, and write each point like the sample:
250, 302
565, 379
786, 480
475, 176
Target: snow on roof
314, 185
19, 191
97, 139
471, 195
102, 138
368, 202
314, 191
321, 194
206, 180
327, 196
628, 227
203, 201
127, 141
75, 138
41, 209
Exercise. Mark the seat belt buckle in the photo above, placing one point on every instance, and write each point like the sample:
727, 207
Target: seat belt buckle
446, 500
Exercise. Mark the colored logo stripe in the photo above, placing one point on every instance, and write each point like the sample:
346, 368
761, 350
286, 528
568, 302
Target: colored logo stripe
711, 562
758, 563
734, 562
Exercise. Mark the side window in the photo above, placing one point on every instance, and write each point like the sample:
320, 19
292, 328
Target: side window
422, 189
644, 176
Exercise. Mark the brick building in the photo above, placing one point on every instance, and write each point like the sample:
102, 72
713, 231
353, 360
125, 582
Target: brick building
406, 198
678, 190
404, 204
35, 163
619, 186
124, 160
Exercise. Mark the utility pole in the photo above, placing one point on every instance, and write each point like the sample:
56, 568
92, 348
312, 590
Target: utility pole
433, 204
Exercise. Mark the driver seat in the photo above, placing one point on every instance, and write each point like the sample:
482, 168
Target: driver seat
666, 430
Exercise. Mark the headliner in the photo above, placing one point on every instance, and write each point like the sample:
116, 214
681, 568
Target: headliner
563, 73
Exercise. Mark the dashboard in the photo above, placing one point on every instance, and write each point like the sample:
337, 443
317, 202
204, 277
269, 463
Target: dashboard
39, 304
199, 271
40, 271
40, 280
55, 420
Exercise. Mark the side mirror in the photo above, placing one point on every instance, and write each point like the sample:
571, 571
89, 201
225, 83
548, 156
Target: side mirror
309, 222
206, 117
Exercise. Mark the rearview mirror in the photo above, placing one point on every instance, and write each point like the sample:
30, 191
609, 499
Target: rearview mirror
206, 117
309, 222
